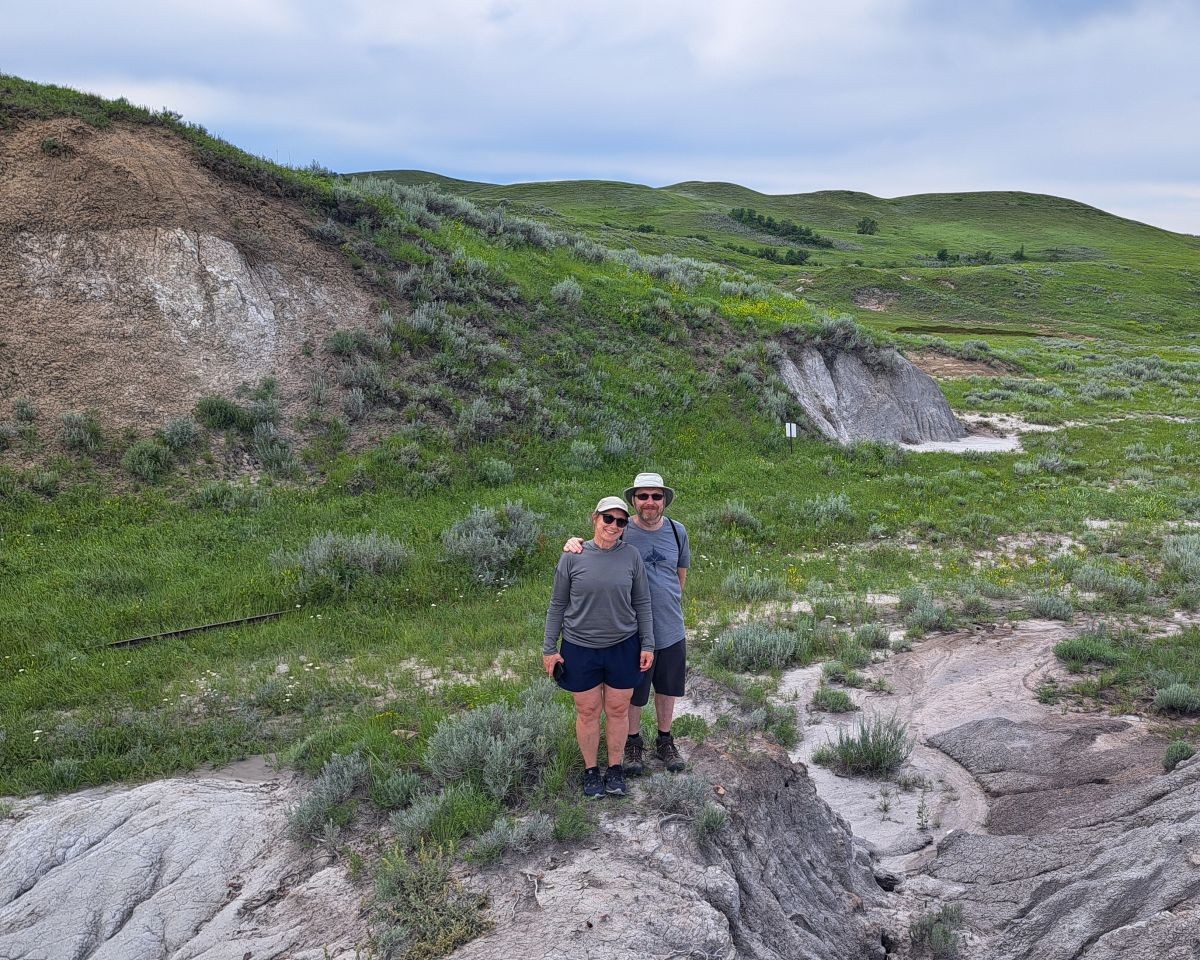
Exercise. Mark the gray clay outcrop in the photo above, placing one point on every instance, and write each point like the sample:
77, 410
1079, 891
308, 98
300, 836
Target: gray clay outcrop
185, 868
784, 880
196, 867
1092, 856
849, 399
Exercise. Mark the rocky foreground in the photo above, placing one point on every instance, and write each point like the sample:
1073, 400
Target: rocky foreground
199, 867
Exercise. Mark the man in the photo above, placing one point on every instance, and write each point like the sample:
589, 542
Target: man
663, 544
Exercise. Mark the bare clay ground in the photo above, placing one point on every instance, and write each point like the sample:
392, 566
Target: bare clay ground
946, 681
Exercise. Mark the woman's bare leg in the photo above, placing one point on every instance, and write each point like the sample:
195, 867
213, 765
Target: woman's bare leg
616, 723
587, 723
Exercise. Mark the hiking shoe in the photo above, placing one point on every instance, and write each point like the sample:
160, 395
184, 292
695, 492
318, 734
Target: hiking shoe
668, 753
614, 781
633, 763
593, 786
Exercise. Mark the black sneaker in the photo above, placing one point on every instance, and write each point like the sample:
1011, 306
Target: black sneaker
593, 786
614, 781
633, 764
668, 753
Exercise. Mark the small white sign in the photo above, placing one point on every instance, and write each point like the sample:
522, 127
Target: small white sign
790, 430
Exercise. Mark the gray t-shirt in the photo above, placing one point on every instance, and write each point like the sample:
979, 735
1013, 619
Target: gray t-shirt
600, 597
663, 560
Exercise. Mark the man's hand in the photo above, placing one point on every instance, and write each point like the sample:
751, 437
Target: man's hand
574, 545
549, 660
646, 662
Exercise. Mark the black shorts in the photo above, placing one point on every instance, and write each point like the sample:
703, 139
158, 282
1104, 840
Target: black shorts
666, 675
585, 668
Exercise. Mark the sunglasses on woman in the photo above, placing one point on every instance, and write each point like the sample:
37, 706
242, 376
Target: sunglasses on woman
621, 522
648, 496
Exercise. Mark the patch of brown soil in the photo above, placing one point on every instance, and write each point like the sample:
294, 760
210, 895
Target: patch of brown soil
951, 368
875, 298
133, 280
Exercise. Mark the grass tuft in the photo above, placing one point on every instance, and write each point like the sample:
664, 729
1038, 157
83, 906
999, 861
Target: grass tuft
877, 748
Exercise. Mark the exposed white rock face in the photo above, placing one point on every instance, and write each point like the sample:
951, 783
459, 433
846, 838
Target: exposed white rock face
848, 400
139, 323
182, 868
210, 299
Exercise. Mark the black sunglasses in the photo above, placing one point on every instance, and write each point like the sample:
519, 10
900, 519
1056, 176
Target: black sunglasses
621, 522
648, 496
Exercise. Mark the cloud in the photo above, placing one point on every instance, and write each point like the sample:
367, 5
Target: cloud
891, 96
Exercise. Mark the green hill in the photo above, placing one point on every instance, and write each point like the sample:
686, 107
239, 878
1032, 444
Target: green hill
1083, 270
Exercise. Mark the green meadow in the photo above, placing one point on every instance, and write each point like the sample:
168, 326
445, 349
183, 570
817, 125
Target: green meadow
489, 380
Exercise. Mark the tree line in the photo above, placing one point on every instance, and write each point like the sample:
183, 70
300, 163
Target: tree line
781, 228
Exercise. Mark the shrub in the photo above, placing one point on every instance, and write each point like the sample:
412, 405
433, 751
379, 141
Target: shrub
354, 404
45, 483
735, 515
684, 794
975, 607
742, 585
492, 542
181, 435
935, 933
709, 822
222, 495
496, 473
872, 636
1181, 557
835, 701
221, 413
509, 833
8, 435
1176, 753
443, 819
478, 421
394, 789
336, 562
567, 292
147, 460
1049, 606
834, 508
24, 410
346, 343
584, 456
867, 225
421, 910
1091, 646
755, 646
81, 432
273, 450
498, 748
927, 614
910, 597
339, 778
1122, 589
877, 748
1178, 698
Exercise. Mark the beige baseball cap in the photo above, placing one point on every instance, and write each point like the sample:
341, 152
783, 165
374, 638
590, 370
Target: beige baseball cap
613, 503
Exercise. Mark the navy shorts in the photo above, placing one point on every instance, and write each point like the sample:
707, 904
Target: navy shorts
666, 676
585, 668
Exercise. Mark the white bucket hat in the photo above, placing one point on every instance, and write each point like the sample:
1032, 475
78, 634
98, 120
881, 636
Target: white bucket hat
650, 480
613, 503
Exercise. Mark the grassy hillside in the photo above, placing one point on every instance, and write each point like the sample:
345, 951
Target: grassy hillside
1084, 270
519, 360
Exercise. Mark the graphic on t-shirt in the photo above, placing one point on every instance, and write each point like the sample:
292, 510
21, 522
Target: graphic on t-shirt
654, 558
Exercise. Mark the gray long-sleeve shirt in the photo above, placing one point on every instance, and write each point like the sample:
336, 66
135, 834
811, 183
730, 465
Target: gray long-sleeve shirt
600, 597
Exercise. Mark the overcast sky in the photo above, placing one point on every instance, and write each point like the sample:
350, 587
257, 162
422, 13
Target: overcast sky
1096, 101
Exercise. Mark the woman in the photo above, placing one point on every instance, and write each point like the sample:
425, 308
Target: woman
601, 607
